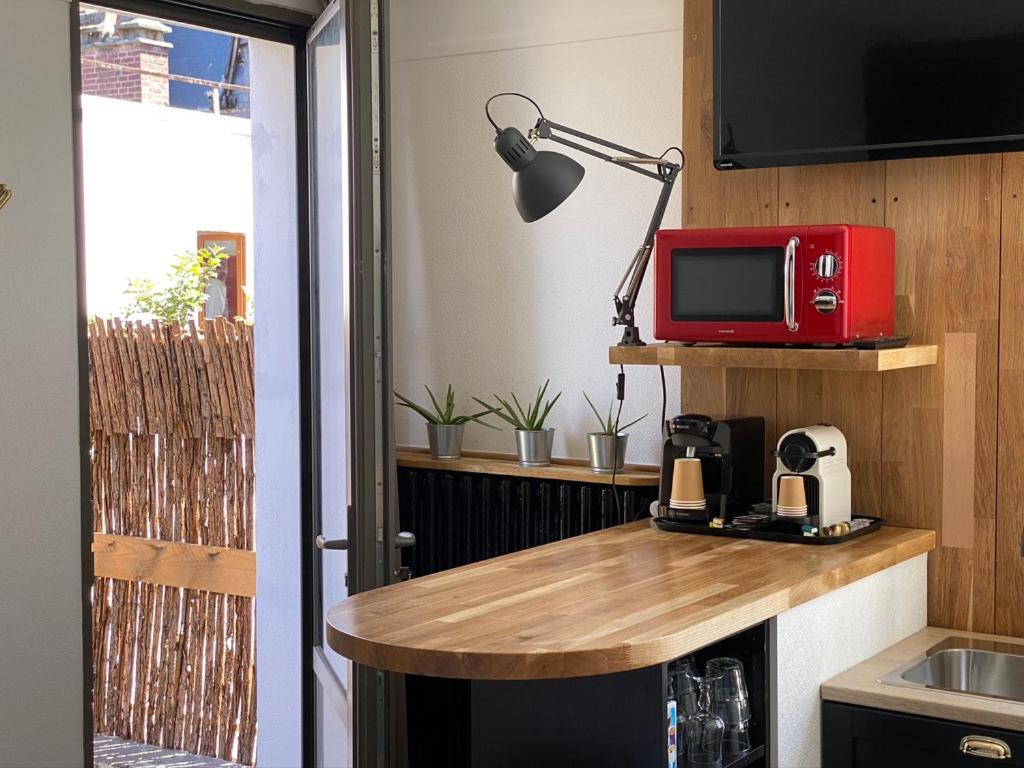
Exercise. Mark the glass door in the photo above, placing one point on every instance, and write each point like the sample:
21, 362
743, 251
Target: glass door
330, 257
352, 485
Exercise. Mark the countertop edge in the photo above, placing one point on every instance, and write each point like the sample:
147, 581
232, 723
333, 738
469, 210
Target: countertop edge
542, 664
859, 686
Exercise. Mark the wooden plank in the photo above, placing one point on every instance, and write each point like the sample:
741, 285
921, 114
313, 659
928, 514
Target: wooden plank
958, 428
624, 598
712, 356
946, 215
1009, 616
508, 466
175, 563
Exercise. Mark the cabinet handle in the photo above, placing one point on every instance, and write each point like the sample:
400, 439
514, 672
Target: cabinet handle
985, 746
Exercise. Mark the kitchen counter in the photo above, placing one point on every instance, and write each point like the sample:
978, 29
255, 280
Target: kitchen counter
859, 686
617, 600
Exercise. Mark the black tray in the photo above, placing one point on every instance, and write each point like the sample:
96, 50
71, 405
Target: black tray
766, 533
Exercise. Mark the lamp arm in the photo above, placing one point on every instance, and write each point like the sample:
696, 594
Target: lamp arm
664, 171
625, 303
544, 129
543, 121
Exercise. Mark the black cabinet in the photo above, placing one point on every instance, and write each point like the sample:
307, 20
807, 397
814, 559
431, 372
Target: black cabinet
602, 721
859, 737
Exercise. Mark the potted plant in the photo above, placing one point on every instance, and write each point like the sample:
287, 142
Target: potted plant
444, 428
533, 439
608, 445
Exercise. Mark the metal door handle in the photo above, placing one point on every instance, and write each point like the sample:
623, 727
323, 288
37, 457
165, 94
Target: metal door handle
323, 543
985, 746
789, 283
405, 539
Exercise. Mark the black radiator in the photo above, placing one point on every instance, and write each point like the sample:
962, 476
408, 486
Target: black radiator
462, 517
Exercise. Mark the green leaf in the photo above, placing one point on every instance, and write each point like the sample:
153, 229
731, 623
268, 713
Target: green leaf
600, 420
450, 404
624, 427
406, 402
437, 408
547, 410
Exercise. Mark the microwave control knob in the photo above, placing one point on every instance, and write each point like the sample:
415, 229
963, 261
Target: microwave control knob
826, 302
826, 266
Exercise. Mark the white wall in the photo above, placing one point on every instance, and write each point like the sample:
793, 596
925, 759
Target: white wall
41, 696
278, 493
154, 177
40, 550
483, 300
819, 639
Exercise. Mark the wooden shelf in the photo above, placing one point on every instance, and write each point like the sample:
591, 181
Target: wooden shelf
718, 356
498, 464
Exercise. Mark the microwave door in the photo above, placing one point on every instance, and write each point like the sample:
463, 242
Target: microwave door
735, 293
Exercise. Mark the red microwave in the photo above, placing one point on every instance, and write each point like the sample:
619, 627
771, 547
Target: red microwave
825, 284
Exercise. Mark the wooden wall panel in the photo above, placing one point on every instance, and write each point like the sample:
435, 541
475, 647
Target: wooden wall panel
1009, 612
946, 215
827, 194
922, 441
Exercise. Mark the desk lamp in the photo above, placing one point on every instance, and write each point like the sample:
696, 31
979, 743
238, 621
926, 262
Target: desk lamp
541, 181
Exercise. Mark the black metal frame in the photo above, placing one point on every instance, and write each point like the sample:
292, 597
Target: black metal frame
666, 172
84, 463
277, 25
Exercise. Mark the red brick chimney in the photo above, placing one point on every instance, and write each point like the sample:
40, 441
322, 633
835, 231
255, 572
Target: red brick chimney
135, 43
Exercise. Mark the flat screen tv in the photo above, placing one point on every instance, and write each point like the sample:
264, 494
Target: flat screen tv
799, 82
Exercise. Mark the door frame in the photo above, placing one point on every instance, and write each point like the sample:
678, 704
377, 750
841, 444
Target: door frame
374, 487
281, 25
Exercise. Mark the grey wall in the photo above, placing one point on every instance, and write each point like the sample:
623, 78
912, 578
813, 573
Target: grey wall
41, 697
40, 563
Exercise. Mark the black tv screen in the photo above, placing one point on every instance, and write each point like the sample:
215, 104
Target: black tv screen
799, 82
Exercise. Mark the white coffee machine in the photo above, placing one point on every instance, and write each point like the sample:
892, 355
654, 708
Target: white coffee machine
818, 454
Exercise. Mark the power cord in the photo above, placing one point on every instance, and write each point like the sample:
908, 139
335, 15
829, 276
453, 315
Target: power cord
620, 394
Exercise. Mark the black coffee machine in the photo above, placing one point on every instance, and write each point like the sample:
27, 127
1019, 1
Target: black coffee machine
732, 463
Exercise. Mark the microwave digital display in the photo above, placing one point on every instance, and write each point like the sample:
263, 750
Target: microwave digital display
735, 284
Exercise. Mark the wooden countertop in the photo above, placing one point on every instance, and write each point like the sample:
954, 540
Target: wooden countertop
624, 598
507, 466
859, 686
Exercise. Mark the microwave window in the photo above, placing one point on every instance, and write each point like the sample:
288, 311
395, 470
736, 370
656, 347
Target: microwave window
731, 284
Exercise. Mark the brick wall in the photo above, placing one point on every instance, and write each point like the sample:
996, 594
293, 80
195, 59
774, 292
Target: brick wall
130, 42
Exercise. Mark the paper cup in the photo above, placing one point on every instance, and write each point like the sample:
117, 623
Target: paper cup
791, 492
687, 482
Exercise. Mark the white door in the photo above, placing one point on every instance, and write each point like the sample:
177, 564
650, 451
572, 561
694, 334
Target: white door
330, 258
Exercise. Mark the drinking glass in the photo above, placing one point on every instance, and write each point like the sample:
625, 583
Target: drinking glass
705, 730
687, 686
729, 697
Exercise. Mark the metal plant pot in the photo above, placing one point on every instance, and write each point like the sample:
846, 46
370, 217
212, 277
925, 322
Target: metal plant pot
445, 440
607, 452
533, 447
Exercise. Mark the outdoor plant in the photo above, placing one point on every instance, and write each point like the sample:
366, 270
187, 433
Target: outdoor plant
529, 419
607, 423
182, 292
445, 416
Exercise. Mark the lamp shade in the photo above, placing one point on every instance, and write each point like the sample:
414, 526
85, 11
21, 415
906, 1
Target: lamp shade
541, 181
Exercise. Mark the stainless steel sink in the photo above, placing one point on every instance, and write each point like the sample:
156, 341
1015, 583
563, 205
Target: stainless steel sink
966, 665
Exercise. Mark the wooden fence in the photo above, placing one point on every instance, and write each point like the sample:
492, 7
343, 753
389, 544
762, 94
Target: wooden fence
172, 421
